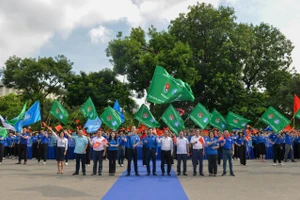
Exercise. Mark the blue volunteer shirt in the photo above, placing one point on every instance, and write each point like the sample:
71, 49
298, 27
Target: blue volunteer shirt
1, 139
260, 139
254, 139
113, 142
121, 141
23, 140
240, 141
16, 139
288, 139
209, 149
228, 143
132, 140
9, 141
273, 137
80, 143
296, 139
43, 139
150, 142
34, 139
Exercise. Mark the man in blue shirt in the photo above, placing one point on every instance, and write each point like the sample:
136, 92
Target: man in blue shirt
9, 141
276, 140
289, 146
43, 146
81, 143
132, 140
228, 146
23, 146
121, 148
152, 148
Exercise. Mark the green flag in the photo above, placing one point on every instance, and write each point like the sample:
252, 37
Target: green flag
165, 89
236, 121
20, 116
297, 115
200, 116
144, 116
3, 132
274, 119
59, 112
111, 118
218, 121
173, 120
88, 109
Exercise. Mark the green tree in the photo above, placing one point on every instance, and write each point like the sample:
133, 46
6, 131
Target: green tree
11, 105
37, 78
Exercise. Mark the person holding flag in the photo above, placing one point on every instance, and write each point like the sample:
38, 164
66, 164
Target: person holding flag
212, 152
262, 146
197, 143
151, 146
81, 143
166, 152
99, 150
23, 145
132, 140
182, 151
228, 147
276, 141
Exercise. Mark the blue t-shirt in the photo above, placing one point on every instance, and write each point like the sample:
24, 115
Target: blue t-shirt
150, 142
296, 139
288, 139
43, 139
80, 143
34, 139
228, 143
121, 142
9, 141
241, 141
132, 140
273, 137
23, 140
254, 140
113, 142
210, 150
2, 139
16, 139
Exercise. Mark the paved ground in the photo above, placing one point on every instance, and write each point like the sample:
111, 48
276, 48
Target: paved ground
254, 181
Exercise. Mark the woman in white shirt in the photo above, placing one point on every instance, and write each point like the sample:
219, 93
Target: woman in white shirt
61, 150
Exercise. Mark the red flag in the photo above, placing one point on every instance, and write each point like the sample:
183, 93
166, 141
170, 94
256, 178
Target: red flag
142, 128
180, 111
221, 138
104, 141
201, 141
160, 132
128, 128
296, 103
58, 127
247, 137
70, 131
97, 144
77, 121
175, 139
287, 128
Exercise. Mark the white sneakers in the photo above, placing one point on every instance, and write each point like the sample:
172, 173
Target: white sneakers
0, 163
122, 165
274, 164
281, 164
67, 163
44, 163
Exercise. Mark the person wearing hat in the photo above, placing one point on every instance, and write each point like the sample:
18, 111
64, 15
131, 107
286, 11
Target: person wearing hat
151, 146
241, 143
228, 146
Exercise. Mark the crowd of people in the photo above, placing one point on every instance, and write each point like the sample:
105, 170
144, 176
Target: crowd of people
116, 146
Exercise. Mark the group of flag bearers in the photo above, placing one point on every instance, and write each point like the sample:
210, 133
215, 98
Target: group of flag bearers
163, 89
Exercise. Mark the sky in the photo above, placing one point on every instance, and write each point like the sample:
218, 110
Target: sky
81, 30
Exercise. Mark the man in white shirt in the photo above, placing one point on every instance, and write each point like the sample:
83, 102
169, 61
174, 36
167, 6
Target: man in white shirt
182, 150
166, 149
99, 147
197, 142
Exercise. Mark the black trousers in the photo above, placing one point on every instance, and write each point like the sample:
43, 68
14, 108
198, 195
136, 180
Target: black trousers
256, 150
121, 154
236, 151
112, 157
165, 158
67, 155
22, 152
1, 152
282, 147
8, 151
219, 155
132, 154
35, 150
80, 158
151, 156
181, 157
144, 150
296, 150
16, 149
277, 153
43, 148
212, 164
97, 157
197, 156
88, 155
242, 152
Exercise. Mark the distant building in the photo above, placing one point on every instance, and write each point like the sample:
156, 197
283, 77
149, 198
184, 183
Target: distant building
6, 91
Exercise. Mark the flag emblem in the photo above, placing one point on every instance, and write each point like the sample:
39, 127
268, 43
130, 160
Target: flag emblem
223, 125
145, 115
27, 116
277, 121
61, 116
235, 121
89, 108
243, 124
114, 123
205, 120
171, 117
176, 124
167, 87
109, 117
218, 120
151, 120
270, 116
174, 91
57, 110
200, 115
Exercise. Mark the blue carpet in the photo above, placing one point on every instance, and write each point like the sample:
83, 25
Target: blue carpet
146, 187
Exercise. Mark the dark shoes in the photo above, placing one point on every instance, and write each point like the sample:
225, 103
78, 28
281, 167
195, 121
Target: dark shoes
223, 174
83, 173
148, 174
18, 163
154, 174
201, 174
169, 174
137, 174
127, 174
93, 174
232, 174
178, 174
184, 174
75, 173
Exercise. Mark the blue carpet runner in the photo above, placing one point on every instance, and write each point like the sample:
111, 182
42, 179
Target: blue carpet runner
146, 187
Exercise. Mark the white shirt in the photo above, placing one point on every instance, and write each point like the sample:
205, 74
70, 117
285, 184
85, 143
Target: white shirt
61, 142
166, 143
99, 140
198, 145
181, 145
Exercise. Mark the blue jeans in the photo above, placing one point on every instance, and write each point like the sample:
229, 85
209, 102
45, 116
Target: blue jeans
197, 156
227, 155
97, 157
80, 157
181, 157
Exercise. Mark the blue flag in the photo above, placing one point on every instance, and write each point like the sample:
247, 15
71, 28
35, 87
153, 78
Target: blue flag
32, 115
18, 126
92, 125
118, 109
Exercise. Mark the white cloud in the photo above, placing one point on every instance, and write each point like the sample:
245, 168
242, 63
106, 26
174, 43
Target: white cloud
100, 35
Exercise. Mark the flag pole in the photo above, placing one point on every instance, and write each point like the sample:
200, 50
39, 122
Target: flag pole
256, 122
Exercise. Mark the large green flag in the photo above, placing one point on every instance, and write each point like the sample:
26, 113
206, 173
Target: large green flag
20, 116
236, 121
218, 121
111, 118
297, 115
165, 89
173, 120
200, 116
144, 116
59, 112
3, 132
274, 119
88, 109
